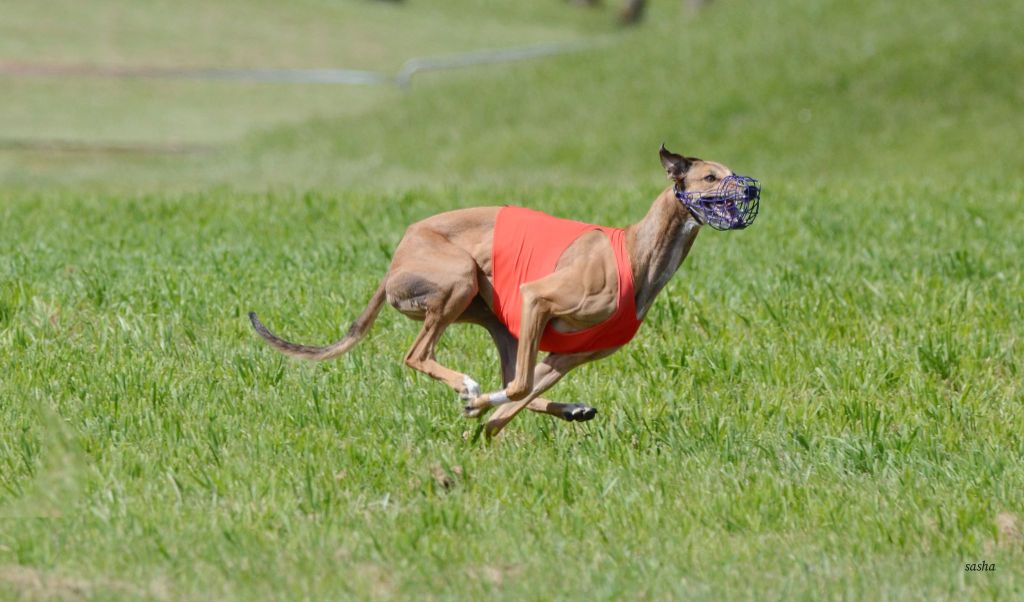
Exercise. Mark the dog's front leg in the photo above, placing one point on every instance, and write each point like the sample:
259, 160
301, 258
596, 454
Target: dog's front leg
536, 313
557, 294
548, 372
535, 317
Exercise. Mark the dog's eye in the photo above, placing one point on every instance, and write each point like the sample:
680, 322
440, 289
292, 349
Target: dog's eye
710, 177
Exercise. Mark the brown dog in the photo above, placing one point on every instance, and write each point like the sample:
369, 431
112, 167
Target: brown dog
442, 274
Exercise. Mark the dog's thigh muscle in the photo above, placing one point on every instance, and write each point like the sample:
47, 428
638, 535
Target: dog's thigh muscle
411, 293
427, 274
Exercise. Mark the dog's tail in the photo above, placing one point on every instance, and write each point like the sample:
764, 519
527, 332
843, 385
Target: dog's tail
355, 333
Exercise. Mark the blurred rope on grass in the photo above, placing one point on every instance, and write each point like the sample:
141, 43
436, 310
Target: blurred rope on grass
52, 146
402, 78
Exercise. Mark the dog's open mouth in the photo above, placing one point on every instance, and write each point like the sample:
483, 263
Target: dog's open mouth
732, 205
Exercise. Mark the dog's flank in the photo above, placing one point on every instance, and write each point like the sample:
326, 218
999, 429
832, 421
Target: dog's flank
355, 333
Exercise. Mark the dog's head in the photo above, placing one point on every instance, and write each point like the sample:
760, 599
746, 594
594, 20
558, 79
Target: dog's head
712, 192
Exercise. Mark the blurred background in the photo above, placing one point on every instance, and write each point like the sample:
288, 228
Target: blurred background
156, 94
829, 401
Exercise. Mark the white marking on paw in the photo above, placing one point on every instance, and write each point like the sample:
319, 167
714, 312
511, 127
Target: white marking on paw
471, 389
496, 399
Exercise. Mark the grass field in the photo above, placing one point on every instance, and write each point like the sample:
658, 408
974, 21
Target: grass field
827, 405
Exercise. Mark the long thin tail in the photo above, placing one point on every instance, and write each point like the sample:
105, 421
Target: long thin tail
355, 333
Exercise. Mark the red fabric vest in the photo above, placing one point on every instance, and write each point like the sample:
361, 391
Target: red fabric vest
527, 246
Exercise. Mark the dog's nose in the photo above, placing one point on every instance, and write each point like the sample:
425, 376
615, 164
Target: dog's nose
750, 191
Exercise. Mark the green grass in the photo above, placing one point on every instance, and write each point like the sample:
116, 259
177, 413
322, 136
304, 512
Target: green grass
827, 405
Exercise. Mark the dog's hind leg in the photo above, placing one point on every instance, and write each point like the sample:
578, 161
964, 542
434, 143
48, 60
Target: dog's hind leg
569, 412
421, 358
436, 289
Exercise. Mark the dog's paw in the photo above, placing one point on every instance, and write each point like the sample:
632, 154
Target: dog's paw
470, 389
469, 411
578, 412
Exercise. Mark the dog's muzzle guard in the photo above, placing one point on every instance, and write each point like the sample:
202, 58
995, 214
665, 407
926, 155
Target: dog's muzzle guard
732, 205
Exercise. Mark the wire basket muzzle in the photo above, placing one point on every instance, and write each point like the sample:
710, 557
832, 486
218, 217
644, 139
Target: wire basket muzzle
732, 205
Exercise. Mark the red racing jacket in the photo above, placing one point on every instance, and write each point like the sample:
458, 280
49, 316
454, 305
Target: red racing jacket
527, 245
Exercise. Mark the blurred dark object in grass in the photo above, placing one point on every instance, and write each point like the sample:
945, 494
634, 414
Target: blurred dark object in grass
633, 11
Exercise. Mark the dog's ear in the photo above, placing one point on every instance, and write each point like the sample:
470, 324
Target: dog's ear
675, 165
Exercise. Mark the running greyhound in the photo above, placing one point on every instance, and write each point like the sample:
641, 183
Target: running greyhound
539, 283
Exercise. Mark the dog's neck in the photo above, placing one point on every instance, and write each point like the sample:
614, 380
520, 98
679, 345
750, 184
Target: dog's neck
657, 245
